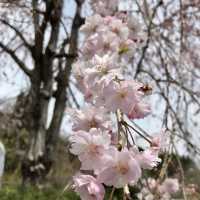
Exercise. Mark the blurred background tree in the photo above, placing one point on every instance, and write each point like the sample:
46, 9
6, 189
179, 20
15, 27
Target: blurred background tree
37, 49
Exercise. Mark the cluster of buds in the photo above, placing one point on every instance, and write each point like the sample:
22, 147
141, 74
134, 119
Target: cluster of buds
153, 189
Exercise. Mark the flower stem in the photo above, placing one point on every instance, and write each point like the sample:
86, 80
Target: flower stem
140, 134
112, 193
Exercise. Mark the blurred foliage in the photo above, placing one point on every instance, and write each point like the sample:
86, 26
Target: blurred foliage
54, 193
32, 193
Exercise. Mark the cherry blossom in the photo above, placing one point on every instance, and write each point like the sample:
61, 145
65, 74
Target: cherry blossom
140, 110
104, 7
119, 28
170, 186
110, 42
88, 187
135, 32
148, 159
153, 189
160, 141
91, 117
92, 45
120, 170
91, 25
123, 95
90, 147
126, 50
102, 73
78, 71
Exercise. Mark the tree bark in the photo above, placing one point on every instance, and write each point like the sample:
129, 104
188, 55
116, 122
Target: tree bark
40, 155
35, 166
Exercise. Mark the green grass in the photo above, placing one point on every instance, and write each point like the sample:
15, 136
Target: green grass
53, 193
31, 193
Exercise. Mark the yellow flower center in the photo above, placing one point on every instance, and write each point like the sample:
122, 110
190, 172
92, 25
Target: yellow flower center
93, 149
93, 124
102, 69
122, 94
123, 50
122, 168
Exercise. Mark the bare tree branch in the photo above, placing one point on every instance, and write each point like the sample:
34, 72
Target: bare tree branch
18, 33
16, 59
149, 29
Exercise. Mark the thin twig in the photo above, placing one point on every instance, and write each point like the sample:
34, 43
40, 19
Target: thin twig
140, 134
112, 193
182, 172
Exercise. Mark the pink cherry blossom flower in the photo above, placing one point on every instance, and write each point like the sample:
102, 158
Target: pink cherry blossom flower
78, 71
135, 32
107, 61
102, 43
126, 50
119, 28
104, 7
120, 170
104, 70
90, 147
110, 42
123, 95
88, 187
108, 19
91, 117
148, 159
170, 186
91, 25
139, 110
160, 142
91, 46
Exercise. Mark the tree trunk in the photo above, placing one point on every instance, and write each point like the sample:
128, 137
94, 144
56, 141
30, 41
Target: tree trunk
40, 155
35, 165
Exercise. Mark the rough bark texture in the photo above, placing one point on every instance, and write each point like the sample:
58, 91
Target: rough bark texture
40, 157
42, 139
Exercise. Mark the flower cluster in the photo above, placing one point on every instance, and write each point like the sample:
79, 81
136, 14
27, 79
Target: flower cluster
109, 157
153, 189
